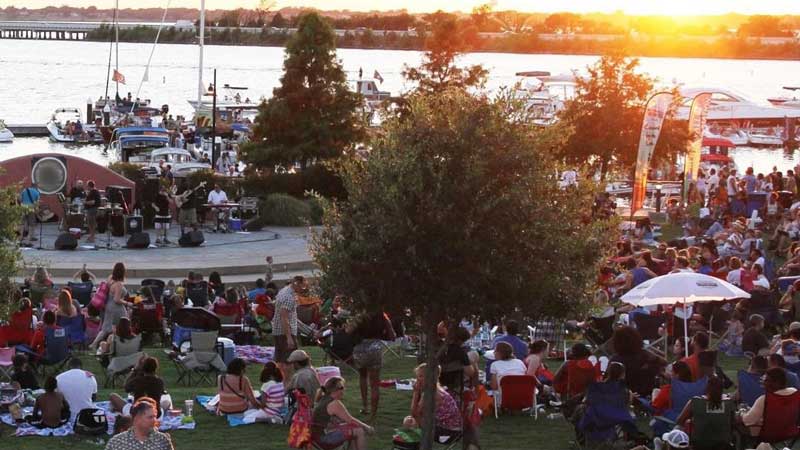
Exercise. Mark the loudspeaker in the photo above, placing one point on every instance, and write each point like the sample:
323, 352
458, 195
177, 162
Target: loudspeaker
191, 239
133, 224
102, 223
66, 241
74, 220
117, 225
139, 240
253, 224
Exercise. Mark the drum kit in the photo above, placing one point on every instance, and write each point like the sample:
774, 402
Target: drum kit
109, 216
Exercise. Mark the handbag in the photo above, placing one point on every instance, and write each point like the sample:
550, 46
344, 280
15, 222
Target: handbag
100, 297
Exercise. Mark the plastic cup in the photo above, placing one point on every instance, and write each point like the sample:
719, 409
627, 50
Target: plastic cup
188, 406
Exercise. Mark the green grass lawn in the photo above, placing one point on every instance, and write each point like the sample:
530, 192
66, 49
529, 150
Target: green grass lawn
212, 433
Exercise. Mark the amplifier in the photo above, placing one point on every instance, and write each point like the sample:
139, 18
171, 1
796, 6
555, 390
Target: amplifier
117, 225
133, 224
74, 221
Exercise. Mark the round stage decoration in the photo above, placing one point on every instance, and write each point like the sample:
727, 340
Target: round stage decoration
49, 174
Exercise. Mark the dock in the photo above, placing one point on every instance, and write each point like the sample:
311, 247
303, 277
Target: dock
29, 130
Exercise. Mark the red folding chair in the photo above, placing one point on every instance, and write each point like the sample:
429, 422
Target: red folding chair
517, 393
781, 414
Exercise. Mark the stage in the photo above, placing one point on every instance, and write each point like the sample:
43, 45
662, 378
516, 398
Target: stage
237, 256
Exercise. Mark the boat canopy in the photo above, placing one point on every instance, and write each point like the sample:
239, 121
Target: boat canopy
143, 139
141, 130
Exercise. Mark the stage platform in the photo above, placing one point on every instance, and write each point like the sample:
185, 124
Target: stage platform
237, 256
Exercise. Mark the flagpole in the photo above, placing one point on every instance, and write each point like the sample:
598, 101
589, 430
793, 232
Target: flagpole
116, 38
201, 42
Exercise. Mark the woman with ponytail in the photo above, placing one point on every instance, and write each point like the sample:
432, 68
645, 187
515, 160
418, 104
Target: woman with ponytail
332, 425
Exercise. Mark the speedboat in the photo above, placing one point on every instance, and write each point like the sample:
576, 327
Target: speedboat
5, 134
134, 144
786, 102
545, 95
65, 126
732, 107
727, 132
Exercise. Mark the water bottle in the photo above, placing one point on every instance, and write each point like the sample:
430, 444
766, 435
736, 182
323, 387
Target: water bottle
555, 416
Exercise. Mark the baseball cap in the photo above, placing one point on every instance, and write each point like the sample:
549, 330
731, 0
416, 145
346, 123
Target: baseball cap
676, 438
297, 356
794, 326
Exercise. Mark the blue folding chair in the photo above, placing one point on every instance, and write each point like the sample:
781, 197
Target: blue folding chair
76, 329
785, 282
606, 414
750, 387
56, 350
681, 393
792, 380
81, 292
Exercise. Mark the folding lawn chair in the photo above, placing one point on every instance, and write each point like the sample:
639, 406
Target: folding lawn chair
56, 350
750, 387
124, 356
606, 414
648, 327
76, 330
81, 291
600, 333
202, 359
197, 292
712, 429
516, 393
156, 287
6, 361
147, 317
781, 414
338, 348
681, 393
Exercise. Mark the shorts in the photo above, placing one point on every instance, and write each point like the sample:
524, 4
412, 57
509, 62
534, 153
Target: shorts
368, 354
336, 436
91, 217
282, 349
187, 216
162, 222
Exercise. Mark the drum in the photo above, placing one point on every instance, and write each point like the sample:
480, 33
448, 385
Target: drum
75, 220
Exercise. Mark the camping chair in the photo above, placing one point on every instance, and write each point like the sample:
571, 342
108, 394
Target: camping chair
781, 414
6, 361
156, 287
516, 393
750, 387
648, 327
201, 360
147, 317
599, 335
56, 350
81, 291
124, 356
76, 330
680, 394
712, 429
38, 294
606, 414
338, 348
198, 293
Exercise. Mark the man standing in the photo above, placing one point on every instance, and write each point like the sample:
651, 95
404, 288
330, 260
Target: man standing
187, 213
284, 324
79, 388
163, 217
29, 197
731, 184
219, 197
91, 203
713, 181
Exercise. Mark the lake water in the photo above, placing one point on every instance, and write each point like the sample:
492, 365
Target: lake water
36, 77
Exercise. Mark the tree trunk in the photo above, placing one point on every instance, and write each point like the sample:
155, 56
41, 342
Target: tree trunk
603, 169
429, 392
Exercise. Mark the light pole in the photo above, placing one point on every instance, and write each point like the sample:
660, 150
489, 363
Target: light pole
214, 124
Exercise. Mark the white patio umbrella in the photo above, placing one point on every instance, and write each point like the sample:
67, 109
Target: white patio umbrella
682, 287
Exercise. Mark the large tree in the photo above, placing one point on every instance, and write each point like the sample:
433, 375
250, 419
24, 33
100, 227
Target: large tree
606, 117
447, 39
313, 115
455, 212
10, 220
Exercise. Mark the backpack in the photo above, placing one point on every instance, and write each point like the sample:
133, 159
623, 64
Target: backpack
300, 431
100, 296
91, 422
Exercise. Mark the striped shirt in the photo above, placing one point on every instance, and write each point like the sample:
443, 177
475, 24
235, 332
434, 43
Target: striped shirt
272, 394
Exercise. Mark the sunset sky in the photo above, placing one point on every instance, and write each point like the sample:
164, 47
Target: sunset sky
670, 7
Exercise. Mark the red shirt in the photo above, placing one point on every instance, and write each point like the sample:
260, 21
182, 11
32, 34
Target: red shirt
37, 342
662, 402
693, 361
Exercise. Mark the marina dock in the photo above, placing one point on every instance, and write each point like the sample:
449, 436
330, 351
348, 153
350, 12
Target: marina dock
28, 130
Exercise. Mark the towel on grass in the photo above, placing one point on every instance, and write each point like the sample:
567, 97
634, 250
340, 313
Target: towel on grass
255, 353
251, 416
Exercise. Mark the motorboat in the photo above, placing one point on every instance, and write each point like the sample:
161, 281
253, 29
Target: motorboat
65, 126
786, 102
5, 134
182, 162
545, 95
730, 106
727, 132
134, 144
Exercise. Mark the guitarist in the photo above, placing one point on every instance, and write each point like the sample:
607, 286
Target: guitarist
187, 210
163, 217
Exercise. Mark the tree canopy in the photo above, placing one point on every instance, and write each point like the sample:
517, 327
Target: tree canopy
606, 117
448, 38
313, 115
10, 219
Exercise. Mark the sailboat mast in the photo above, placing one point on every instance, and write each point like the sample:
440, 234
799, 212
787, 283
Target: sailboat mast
201, 41
116, 38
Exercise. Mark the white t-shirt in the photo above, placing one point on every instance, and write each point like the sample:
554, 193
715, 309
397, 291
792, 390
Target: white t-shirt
215, 198
713, 181
507, 367
77, 386
731, 185
761, 281
735, 277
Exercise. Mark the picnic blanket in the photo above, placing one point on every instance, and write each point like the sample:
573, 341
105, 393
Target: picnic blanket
251, 416
255, 353
167, 423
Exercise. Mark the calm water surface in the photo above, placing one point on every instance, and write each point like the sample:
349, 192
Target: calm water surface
36, 77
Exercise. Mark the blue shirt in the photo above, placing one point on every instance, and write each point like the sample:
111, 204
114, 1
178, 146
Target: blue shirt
519, 346
29, 196
750, 183
256, 292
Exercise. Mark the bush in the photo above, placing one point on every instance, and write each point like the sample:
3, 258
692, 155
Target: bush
130, 171
316, 210
285, 210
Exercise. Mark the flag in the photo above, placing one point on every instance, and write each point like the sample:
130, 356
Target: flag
697, 121
118, 77
654, 114
378, 77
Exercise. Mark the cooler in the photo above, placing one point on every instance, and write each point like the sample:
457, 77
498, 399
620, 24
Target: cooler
235, 224
756, 201
226, 349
